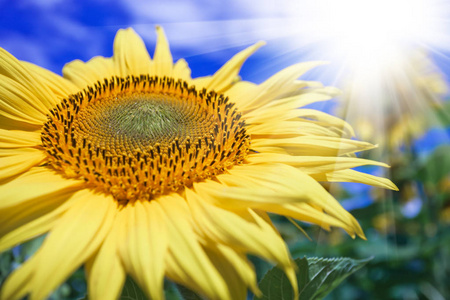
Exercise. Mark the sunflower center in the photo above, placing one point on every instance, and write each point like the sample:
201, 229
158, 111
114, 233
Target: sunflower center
128, 122
139, 137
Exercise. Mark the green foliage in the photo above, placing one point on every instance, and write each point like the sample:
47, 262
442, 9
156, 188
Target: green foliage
436, 167
316, 278
326, 274
131, 291
275, 285
187, 294
440, 116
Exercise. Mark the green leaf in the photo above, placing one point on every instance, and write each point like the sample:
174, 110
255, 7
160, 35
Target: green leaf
131, 291
326, 274
6, 260
302, 272
275, 285
316, 278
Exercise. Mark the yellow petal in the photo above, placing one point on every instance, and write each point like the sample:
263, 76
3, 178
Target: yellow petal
20, 104
41, 183
267, 187
187, 262
264, 222
77, 234
325, 119
313, 117
16, 71
277, 85
17, 161
282, 115
181, 70
300, 84
314, 164
242, 230
294, 102
201, 82
130, 55
105, 273
240, 196
75, 237
22, 223
60, 86
11, 124
163, 61
231, 228
87, 74
239, 92
234, 268
285, 129
242, 266
225, 76
143, 246
313, 145
355, 176
19, 138
312, 214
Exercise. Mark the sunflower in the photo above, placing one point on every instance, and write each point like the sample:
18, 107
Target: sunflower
130, 166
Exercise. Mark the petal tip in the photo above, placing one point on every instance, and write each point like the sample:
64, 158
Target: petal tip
393, 186
159, 29
260, 44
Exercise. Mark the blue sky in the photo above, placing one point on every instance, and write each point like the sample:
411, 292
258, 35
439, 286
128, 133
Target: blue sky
51, 33
206, 33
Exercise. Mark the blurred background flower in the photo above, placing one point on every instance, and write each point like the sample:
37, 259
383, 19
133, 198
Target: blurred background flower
391, 59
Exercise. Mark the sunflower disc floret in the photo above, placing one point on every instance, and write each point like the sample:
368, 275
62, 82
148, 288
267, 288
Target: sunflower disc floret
137, 137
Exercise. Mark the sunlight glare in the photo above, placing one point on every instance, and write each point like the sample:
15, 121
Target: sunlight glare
371, 33
381, 48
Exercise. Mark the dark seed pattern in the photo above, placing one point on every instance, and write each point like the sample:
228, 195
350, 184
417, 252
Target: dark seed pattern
142, 136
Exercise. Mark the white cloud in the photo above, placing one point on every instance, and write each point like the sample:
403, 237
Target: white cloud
205, 26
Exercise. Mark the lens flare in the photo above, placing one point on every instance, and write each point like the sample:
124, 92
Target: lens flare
367, 33
381, 51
